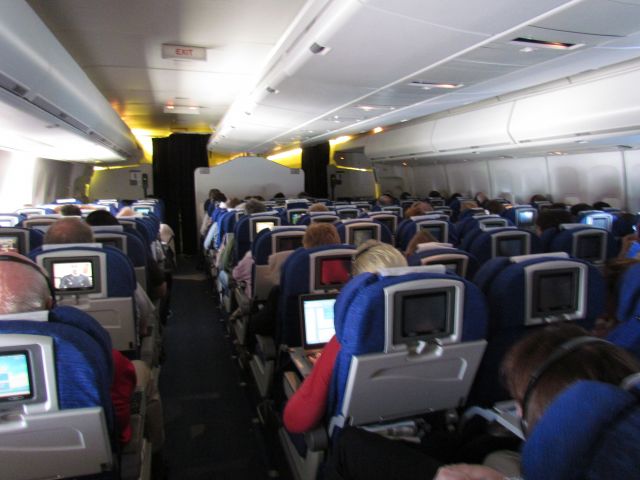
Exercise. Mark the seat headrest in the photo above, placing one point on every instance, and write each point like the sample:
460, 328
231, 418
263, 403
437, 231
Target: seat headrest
589, 431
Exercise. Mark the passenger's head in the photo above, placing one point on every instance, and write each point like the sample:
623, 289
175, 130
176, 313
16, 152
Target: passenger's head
528, 359
435, 194
69, 230
318, 234
101, 218
126, 212
421, 236
318, 207
481, 198
537, 198
279, 195
495, 207
580, 207
254, 206
70, 210
213, 192
23, 286
385, 200
552, 218
233, 203
601, 205
372, 255
467, 205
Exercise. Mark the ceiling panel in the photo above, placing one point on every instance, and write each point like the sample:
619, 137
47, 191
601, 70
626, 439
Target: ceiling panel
596, 17
488, 17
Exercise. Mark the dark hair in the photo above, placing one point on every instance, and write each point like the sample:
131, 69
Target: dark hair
601, 361
70, 210
580, 207
600, 205
494, 206
537, 198
552, 218
99, 218
254, 206
435, 193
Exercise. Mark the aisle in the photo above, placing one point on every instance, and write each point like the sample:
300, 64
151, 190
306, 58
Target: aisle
210, 424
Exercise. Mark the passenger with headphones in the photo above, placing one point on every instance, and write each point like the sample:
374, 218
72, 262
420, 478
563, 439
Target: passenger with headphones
547, 374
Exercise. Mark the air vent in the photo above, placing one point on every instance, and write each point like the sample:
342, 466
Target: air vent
12, 86
429, 85
318, 49
534, 42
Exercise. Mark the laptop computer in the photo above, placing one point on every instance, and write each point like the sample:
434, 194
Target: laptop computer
316, 328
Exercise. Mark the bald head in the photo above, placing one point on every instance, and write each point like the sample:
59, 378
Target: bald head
22, 287
69, 230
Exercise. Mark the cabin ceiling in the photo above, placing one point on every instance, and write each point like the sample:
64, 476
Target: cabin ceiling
374, 50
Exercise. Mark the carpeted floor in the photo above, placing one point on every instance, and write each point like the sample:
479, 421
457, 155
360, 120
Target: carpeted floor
211, 426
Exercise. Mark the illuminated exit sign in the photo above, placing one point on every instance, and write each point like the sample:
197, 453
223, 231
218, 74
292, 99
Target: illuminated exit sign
184, 52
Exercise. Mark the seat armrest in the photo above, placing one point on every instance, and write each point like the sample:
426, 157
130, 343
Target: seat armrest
267, 346
291, 382
317, 439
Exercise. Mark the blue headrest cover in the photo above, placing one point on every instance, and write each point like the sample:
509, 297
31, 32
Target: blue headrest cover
590, 431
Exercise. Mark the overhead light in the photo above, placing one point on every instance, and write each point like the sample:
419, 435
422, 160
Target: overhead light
429, 85
527, 50
366, 108
582, 141
285, 154
404, 120
182, 109
534, 42
377, 130
339, 140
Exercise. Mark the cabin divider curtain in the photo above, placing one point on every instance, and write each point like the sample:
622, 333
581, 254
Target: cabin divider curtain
315, 160
175, 159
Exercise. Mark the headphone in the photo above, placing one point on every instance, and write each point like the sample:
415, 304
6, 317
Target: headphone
34, 266
559, 353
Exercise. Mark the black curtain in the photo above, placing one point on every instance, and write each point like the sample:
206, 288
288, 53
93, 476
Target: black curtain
175, 158
314, 163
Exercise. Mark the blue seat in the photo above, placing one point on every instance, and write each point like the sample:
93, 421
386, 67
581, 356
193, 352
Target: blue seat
359, 230
590, 430
26, 239
509, 241
372, 320
528, 293
627, 333
69, 405
315, 217
111, 300
243, 233
581, 241
522, 216
297, 278
11, 219
457, 261
434, 223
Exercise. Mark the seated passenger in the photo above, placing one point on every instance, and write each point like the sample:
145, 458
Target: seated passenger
306, 408
24, 290
69, 210
318, 207
418, 208
533, 384
495, 207
157, 280
420, 237
74, 230
316, 235
551, 218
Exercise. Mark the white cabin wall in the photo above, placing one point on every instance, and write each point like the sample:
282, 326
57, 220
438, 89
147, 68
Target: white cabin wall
520, 177
632, 177
429, 177
586, 178
391, 178
16, 180
469, 177
117, 183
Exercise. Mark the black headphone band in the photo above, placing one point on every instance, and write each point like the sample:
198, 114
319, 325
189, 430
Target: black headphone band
559, 353
24, 261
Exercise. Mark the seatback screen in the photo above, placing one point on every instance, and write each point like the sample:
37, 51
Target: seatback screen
589, 248
423, 315
8, 244
525, 218
72, 276
436, 232
332, 272
510, 247
288, 243
295, 217
361, 235
554, 293
264, 225
15, 379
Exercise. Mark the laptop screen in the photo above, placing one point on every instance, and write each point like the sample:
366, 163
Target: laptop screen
316, 313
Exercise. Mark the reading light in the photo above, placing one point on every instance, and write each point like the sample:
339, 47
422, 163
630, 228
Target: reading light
285, 154
339, 140
377, 130
182, 109
430, 85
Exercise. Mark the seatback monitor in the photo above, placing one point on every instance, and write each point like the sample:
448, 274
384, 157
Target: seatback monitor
284, 243
423, 315
15, 376
332, 272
